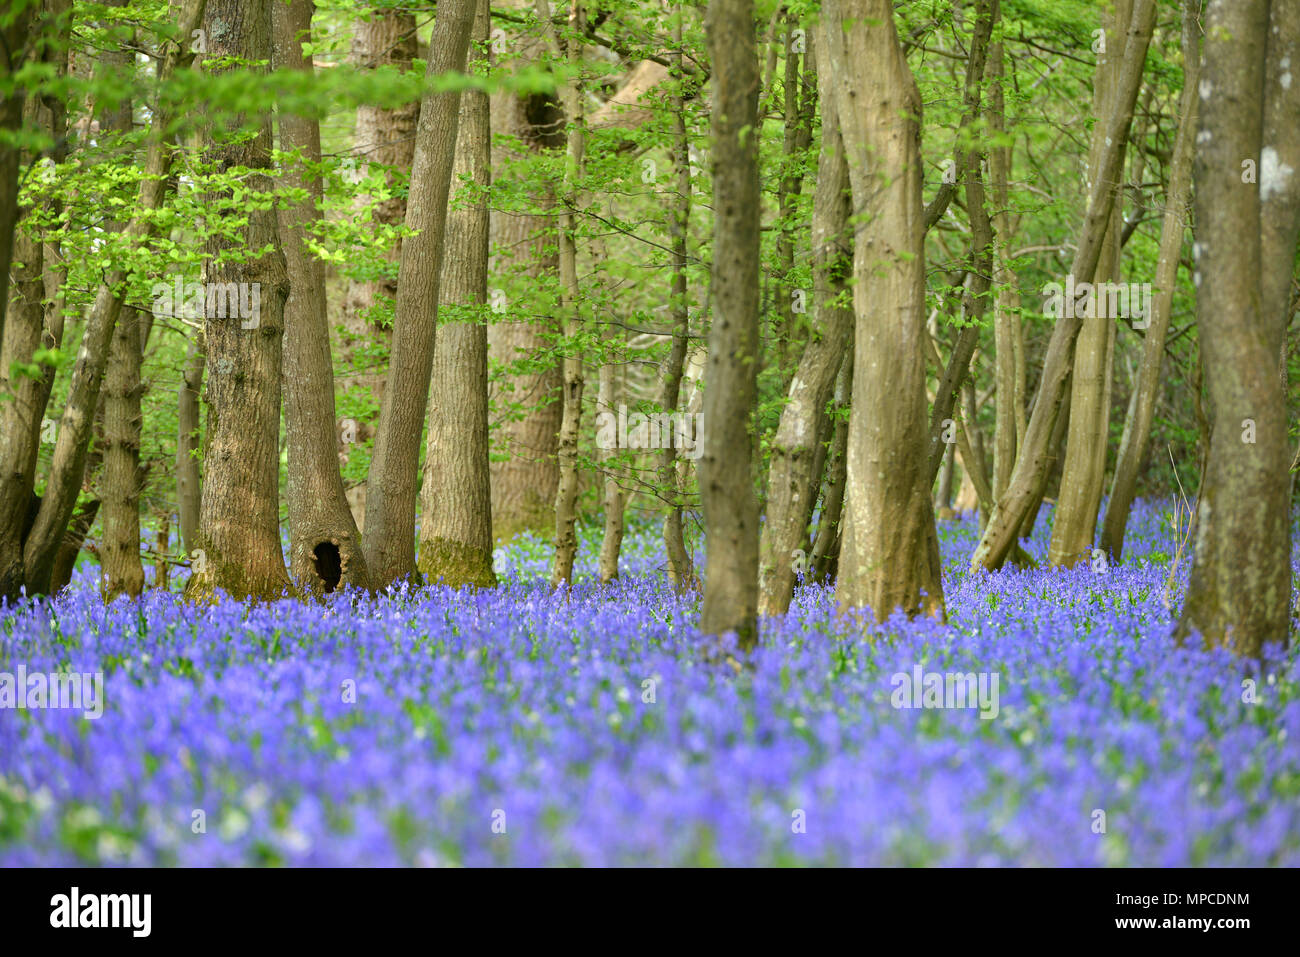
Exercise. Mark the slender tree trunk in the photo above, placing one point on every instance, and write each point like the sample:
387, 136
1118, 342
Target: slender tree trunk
1075, 522
1138, 433
566, 495
239, 516
1007, 332
187, 445
1239, 594
829, 527
456, 500
324, 545
890, 551
726, 465
1034, 456
391, 488
119, 556
385, 137
680, 573
13, 51
791, 477
612, 392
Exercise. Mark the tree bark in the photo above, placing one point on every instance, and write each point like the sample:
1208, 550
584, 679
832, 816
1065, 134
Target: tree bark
456, 499
566, 494
790, 475
324, 545
1133, 446
1075, 521
1239, 593
1034, 455
239, 515
188, 484
391, 488
726, 463
890, 550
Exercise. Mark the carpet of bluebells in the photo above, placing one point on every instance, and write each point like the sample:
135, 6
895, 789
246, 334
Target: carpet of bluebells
521, 726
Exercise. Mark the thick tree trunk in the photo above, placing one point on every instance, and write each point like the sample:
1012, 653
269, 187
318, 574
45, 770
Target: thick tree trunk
726, 464
392, 485
239, 515
890, 551
324, 545
456, 500
14, 48
612, 392
791, 478
1138, 431
525, 394
1034, 456
1239, 594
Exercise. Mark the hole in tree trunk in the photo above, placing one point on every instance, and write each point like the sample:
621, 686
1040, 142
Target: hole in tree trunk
329, 565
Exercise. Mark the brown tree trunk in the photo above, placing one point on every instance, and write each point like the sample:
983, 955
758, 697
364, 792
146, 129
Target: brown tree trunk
726, 464
680, 572
14, 47
1138, 432
890, 551
829, 526
119, 556
1239, 594
566, 494
187, 445
1075, 521
525, 473
392, 485
456, 500
1034, 456
790, 476
612, 392
239, 515
385, 137
324, 545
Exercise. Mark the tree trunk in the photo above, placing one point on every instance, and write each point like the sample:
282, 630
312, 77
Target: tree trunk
385, 137
829, 527
1239, 594
456, 499
566, 494
1075, 522
1138, 433
119, 556
525, 473
187, 445
790, 476
13, 52
1034, 455
680, 573
324, 545
612, 392
391, 488
726, 464
890, 551
239, 515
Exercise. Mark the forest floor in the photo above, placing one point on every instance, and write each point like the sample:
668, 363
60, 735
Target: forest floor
526, 727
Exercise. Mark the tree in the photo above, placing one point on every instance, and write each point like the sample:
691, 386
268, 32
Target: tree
1239, 592
890, 553
324, 545
239, 513
726, 462
456, 500
391, 486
